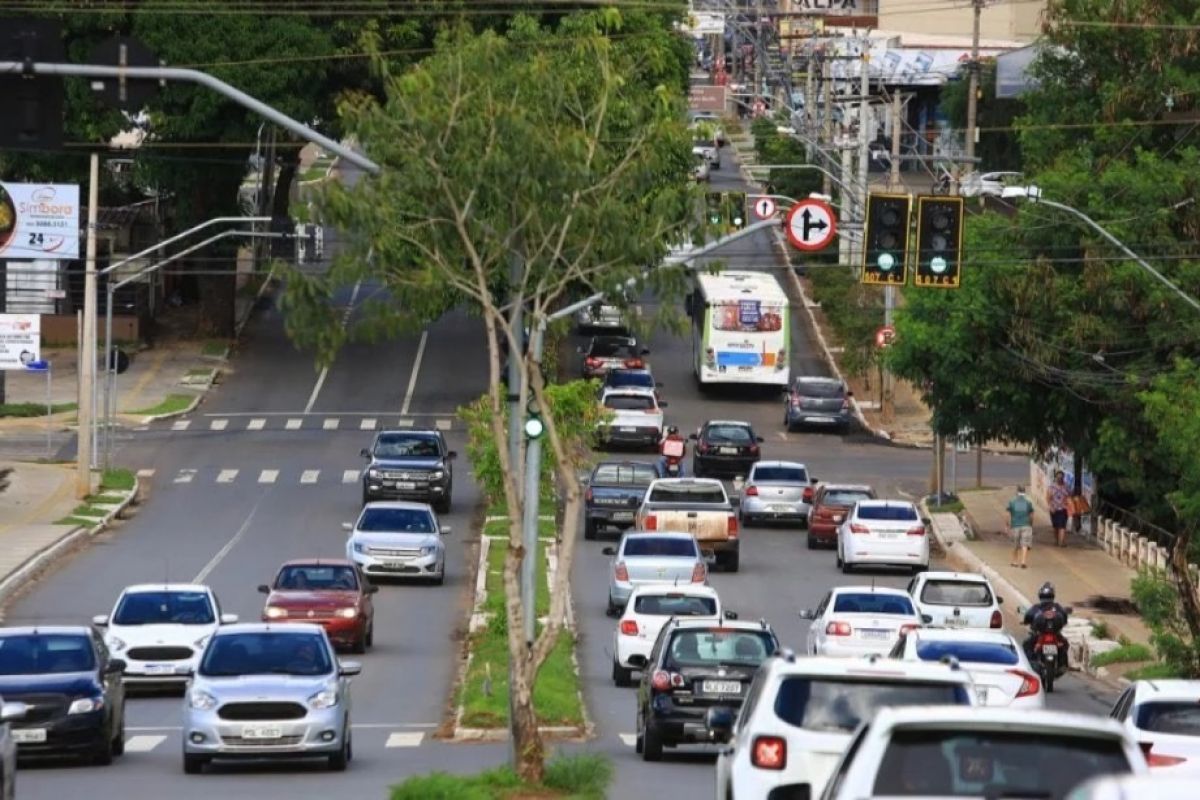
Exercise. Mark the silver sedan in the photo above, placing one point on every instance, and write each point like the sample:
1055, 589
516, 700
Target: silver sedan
652, 558
777, 491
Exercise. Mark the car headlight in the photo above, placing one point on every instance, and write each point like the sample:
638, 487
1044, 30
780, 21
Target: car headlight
326, 698
372, 473
350, 612
438, 475
275, 612
359, 547
202, 700
428, 550
86, 705
115, 644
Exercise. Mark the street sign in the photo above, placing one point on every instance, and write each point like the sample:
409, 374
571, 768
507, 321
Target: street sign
810, 225
39, 221
764, 208
20, 340
885, 336
129, 94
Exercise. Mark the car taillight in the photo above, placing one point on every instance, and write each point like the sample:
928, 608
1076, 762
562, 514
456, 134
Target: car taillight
664, 681
702, 447
752, 491
769, 752
807, 496
620, 573
699, 573
1029, 683
917, 531
592, 361
731, 527
753, 448
905, 629
588, 495
838, 629
710, 357
856, 528
651, 523
997, 620
629, 627
634, 363
1156, 760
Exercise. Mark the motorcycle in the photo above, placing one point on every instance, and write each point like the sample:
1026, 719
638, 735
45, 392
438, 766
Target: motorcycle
673, 451
1049, 647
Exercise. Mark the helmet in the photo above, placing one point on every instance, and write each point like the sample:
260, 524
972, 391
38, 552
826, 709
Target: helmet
1046, 593
673, 429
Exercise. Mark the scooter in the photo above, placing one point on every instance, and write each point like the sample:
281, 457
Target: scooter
673, 462
1049, 649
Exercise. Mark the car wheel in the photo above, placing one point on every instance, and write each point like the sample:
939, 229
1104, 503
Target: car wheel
589, 529
102, 756
442, 506
697, 472
194, 765
812, 542
847, 567
652, 745
620, 675
730, 562
118, 747
839, 556
612, 610
370, 639
441, 577
341, 759
359, 645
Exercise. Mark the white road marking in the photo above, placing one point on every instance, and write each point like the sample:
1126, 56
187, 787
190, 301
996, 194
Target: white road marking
312, 398
143, 744
405, 740
293, 424
145, 473
628, 739
444, 424
268, 476
227, 475
349, 475
256, 424
310, 475
404, 423
185, 476
331, 424
224, 551
180, 424
367, 425
412, 380
218, 424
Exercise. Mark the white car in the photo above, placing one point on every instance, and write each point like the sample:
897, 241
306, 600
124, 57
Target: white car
647, 611
776, 491
601, 316
787, 742
1164, 717
859, 621
708, 149
1000, 673
947, 751
988, 184
398, 539
159, 630
1157, 785
636, 417
957, 599
700, 170
883, 532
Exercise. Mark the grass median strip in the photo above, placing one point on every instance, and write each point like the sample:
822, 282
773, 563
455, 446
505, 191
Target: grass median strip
14, 410
117, 479
172, 404
584, 777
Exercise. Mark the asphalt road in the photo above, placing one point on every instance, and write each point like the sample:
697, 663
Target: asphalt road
267, 471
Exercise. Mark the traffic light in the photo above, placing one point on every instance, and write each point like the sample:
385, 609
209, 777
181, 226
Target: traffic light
726, 211
885, 257
33, 104
939, 241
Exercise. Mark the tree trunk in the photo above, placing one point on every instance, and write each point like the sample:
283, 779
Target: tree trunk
528, 749
1189, 603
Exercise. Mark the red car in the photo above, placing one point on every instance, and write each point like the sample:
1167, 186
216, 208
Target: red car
830, 503
330, 592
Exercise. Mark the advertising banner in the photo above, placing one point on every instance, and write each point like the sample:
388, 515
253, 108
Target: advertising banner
39, 221
20, 340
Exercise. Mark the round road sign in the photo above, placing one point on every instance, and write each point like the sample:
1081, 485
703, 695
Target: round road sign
764, 208
884, 336
810, 225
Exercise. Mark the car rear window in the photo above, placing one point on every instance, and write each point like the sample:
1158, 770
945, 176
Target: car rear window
688, 493
728, 434
624, 473
675, 605
629, 402
840, 498
888, 513
824, 390
968, 652
701, 646
967, 763
781, 474
610, 349
623, 377
830, 704
863, 603
657, 546
395, 520
956, 593
1174, 717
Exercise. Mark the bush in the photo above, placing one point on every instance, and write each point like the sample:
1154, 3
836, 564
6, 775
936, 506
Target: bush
1124, 654
854, 312
583, 776
1158, 599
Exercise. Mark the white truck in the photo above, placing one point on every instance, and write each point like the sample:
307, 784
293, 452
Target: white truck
636, 418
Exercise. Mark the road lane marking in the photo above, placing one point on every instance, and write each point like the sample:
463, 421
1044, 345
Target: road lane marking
628, 739
257, 424
404, 423
218, 424
412, 380
312, 398
444, 424
331, 424
405, 740
310, 475
268, 476
227, 475
180, 424
367, 425
349, 475
224, 551
143, 744
145, 473
294, 424
185, 476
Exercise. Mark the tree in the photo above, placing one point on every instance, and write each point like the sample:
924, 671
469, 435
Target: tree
997, 149
562, 151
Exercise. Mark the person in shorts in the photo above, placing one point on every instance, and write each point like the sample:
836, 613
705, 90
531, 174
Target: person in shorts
1057, 497
1020, 527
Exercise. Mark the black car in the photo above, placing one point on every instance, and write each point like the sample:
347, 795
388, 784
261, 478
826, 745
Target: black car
725, 448
72, 689
409, 465
603, 353
615, 490
696, 665
817, 401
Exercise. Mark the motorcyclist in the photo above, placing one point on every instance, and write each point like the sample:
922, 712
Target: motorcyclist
672, 447
1047, 615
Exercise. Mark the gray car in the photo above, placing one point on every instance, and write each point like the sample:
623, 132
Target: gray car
817, 401
777, 491
396, 539
648, 558
268, 691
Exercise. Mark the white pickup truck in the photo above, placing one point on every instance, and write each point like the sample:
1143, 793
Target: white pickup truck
698, 506
637, 417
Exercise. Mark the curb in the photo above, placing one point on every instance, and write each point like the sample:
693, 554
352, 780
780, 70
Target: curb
204, 390
35, 564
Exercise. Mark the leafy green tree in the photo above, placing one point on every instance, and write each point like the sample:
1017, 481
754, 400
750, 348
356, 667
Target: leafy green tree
997, 149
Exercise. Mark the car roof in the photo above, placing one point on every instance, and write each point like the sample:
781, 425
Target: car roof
408, 432
1173, 689
741, 422
628, 371
795, 464
411, 505
787, 664
52, 630
869, 590
965, 577
971, 718
268, 627
640, 391
166, 587
614, 338
317, 562
963, 635
726, 625
884, 503
690, 481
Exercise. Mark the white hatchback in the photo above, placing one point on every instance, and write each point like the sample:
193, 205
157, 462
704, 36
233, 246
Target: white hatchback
647, 611
1164, 717
883, 532
859, 621
1000, 673
957, 599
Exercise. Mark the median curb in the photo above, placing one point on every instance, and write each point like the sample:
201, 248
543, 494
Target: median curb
203, 392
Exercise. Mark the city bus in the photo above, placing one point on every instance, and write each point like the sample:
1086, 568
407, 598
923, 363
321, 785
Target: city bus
740, 329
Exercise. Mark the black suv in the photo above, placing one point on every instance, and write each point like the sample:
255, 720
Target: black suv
725, 448
72, 690
696, 665
409, 465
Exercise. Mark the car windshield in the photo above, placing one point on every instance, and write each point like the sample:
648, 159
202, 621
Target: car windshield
968, 652
317, 577
164, 608
629, 402
887, 513
781, 474
831, 704
688, 493
404, 445
279, 652
872, 603
45, 653
840, 497
675, 605
968, 763
817, 389
956, 593
642, 545
605, 348
625, 377
632, 474
728, 434
1174, 717
395, 520
713, 646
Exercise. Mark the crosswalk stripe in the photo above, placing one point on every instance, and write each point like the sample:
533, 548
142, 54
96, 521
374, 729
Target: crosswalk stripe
309, 475
331, 424
349, 475
367, 425
143, 744
405, 740
227, 476
185, 476
145, 473
256, 424
404, 423
268, 476
219, 424
294, 424
444, 424
180, 424
628, 739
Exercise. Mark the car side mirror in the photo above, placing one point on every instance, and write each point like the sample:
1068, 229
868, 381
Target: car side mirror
759, 439
264, 589
114, 667
100, 620
365, 453
372, 589
445, 529
453, 454
731, 615
347, 526
662, 404
229, 619
694, 437
637, 661
349, 668
807, 613
609, 551
927, 618
719, 722
14, 710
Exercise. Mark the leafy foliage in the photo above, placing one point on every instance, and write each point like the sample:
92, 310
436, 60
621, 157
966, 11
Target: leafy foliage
1157, 598
772, 147
997, 149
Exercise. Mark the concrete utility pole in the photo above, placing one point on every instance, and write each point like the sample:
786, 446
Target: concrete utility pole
809, 100
887, 406
864, 136
827, 114
87, 348
973, 85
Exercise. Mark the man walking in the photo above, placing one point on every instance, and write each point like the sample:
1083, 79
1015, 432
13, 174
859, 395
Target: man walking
1057, 497
1020, 527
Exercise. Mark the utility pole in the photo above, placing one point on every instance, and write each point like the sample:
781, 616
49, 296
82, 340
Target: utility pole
809, 101
827, 118
887, 407
864, 136
973, 85
87, 346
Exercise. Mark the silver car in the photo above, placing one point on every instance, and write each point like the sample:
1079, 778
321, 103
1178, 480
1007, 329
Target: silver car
8, 749
777, 491
268, 691
398, 539
643, 558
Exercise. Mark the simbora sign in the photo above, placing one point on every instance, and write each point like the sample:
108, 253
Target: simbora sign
39, 221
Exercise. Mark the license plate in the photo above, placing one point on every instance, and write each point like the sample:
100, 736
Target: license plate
623, 516
405, 485
627, 430
394, 564
29, 735
873, 634
888, 535
955, 622
160, 669
262, 733
818, 420
721, 687
781, 508
730, 451
1050, 649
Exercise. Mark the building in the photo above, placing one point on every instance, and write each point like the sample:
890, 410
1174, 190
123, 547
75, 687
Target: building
1017, 20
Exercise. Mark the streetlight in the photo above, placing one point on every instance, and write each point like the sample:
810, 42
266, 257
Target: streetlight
1034, 195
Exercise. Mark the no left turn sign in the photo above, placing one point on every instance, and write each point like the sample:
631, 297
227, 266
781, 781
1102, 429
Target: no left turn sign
810, 225
764, 208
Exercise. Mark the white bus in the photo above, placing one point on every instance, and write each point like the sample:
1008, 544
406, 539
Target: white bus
740, 329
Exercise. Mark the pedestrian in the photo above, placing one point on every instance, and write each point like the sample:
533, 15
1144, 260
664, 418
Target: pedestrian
1057, 497
1020, 527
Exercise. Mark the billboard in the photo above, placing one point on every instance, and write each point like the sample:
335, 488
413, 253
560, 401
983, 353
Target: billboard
20, 340
701, 24
39, 221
